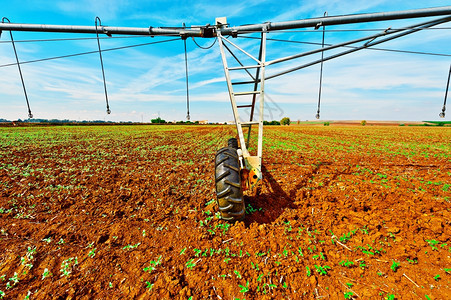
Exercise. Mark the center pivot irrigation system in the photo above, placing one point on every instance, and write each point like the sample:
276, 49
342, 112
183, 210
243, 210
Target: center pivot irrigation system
236, 170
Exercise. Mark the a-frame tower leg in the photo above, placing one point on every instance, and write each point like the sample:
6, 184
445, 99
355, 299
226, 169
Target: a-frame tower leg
252, 166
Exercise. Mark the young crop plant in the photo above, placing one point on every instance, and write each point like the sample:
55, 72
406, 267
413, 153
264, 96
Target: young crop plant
14, 280
394, 266
322, 269
346, 263
244, 289
362, 264
347, 236
152, 265
131, 246
190, 264
45, 274
68, 265
92, 253
433, 244
412, 261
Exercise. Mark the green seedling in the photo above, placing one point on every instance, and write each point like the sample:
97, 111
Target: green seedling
433, 244
67, 266
238, 275
131, 246
14, 280
183, 251
92, 253
322, 269
362, 264
394, 266
244, 289
412, 261
346, 263
152, 265
45, 274
437, 277
348, 295
189, 264
309, 272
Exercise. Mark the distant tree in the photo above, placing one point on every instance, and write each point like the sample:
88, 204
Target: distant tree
326, 123
273, 122
285, 121
363, 123
158, 121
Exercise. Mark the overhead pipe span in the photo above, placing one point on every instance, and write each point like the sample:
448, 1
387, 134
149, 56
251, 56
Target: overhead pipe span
209, 31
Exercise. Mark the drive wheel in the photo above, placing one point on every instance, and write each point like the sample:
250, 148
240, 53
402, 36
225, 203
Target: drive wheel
232, 143
228, 185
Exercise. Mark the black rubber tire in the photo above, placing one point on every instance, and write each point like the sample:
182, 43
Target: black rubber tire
232, 143
229, 192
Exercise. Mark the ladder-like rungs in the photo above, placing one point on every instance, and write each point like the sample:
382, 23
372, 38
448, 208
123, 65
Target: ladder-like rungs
242, 106
247, 93
245, 82
244, 67
249, 123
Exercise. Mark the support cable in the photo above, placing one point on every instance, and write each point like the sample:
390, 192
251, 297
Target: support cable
30, 115
442, 114
321, 71
108, 111
186, 76
89, 52
353, 47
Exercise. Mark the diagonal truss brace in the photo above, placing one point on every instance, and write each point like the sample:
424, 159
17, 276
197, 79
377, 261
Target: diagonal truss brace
372, 40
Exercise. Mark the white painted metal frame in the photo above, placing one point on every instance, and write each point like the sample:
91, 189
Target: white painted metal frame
253, 162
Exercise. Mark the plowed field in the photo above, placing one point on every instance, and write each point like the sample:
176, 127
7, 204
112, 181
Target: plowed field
129, 212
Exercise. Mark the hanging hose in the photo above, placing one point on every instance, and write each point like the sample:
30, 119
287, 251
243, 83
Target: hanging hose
108, 111
442, 114
30, 115
205, 48
186, 76
321, 72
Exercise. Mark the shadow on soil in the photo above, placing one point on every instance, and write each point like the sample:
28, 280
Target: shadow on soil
267, 207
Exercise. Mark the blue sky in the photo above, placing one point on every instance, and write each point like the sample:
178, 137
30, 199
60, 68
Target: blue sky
144, 82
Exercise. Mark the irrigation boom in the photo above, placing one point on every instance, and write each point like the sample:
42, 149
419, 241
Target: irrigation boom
211, 31
236, 169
